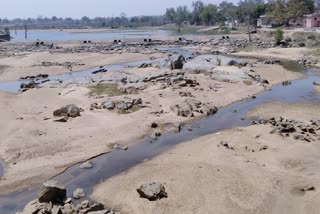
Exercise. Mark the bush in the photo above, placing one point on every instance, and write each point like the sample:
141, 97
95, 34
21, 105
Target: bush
278, 35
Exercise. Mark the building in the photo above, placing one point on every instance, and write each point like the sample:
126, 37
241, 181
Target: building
312, 20
266, 21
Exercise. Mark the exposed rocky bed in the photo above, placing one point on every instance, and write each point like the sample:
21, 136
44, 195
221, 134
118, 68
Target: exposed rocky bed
298, 130
53, 200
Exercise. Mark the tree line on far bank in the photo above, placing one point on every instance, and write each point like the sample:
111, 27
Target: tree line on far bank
246, 11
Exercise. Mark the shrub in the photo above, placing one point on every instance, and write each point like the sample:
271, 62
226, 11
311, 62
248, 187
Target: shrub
278, 35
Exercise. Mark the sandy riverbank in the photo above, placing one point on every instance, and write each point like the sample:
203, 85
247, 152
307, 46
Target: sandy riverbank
50, 147
262, 173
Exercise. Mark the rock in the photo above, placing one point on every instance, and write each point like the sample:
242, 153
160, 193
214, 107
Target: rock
78, 193
52, 192
316, 83
308, 188
186, 108
86, 165
85, 204
154, 125
108, 105
68, 110
28, 85
173, 62
152, 191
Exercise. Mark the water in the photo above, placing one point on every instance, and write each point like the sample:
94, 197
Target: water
118, 161
54, 35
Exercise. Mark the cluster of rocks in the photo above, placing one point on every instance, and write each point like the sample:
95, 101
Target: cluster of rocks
67, 111
298, 130
28, 85
100, 70
257, 78
125, 105
306, 62
189, 107
62, 64
35, 77
53, 200
271, 61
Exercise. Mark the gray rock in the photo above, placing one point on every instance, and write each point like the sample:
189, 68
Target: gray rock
68, 110
79, 193
152, 191
173, 62
108, 105
316, 83
52, 192
86, 165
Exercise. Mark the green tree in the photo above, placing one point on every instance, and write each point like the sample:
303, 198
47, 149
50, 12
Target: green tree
209, 14
170, 14
197, 6
298, 8
278, 11
181, 16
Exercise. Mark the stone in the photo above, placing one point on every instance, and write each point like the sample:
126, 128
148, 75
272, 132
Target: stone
85, 204
173, 62
308, 188
86, 165
108, 105
52, 192
316, 83
152, 191
70, 110
79, 193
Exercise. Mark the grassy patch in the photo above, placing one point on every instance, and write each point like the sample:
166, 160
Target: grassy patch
291, 66
314, 52
247, 82
105, 89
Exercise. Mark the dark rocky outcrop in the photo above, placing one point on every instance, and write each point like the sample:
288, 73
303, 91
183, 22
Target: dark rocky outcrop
70, 110
152, 191
52, 192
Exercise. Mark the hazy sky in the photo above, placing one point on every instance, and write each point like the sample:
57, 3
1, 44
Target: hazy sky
92, 8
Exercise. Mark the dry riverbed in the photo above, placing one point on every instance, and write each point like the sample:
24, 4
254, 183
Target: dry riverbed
242, 170
119, 107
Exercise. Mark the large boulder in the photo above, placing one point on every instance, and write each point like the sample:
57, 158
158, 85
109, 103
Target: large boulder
68, 110
152, 191
173, 62
206, 63
51, 191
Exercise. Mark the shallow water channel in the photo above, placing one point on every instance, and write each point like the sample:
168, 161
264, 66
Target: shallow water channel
118, 161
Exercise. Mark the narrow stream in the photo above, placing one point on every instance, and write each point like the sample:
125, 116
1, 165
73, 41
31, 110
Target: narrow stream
118, 161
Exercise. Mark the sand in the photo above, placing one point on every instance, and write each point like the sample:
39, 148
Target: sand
202, 177
275, 53
51, 147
